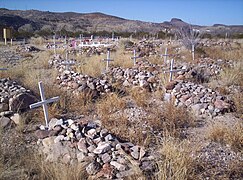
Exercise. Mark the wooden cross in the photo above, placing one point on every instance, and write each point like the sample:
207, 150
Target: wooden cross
44, 103
108, 59
134, 57
171, 71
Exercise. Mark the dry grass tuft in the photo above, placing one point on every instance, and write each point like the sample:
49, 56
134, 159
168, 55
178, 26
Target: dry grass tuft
238, 99
140, 96
170, 120
56, 171
176, 160
233, 76
222, 133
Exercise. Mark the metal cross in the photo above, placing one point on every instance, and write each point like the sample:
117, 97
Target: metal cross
134, 57
44, 102
108, 59
171, 71
167, 55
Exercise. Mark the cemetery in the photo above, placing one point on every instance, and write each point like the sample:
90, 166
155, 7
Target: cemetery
121, 108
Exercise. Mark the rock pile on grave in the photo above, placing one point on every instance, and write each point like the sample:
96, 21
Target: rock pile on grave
76, 82
144, 48
199, 99
207, 68
13, 98
144, 74
72, 142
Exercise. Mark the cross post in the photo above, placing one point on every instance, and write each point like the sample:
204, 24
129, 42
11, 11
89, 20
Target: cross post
193, 52
171, 71
134, 57
44, 102
108, 59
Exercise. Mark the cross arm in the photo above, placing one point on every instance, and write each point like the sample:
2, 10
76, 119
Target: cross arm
35, 105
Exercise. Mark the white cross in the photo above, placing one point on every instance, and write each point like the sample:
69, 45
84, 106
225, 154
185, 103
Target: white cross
167, 55
134, 57
193, 52
44, 102
67, 63
54, 41
172, 70
108, 59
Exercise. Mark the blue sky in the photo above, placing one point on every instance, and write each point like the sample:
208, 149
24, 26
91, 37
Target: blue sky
202, 12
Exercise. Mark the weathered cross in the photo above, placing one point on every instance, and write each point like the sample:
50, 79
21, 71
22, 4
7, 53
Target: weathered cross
3, 69
193, 52
44, 103
171, 71
108, 59
54, 42
167, 55
134, 57
68, 63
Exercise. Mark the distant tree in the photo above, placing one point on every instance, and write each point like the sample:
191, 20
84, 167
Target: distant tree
189, 36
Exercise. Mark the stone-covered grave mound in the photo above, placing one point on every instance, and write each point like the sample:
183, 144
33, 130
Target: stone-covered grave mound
76, 82
199, 99
75, 141
144, 74
13, 99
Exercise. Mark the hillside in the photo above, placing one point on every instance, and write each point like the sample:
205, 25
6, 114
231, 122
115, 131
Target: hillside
34, 20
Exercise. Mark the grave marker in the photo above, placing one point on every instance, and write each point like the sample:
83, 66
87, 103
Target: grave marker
171, 71
54, 42
44, 102
193, 52
108, 59
68, 63
167, 55
134, 57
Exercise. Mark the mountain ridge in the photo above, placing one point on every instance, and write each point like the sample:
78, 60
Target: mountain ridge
37, 20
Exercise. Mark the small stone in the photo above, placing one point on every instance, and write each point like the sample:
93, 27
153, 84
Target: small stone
106, 158
102, 148
52, 123
59, 138
4, 122
118, 166
41, 134
3, 107
135, 153
93, 168
82, 145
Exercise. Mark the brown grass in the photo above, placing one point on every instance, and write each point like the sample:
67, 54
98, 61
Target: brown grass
140, 96
176, 160
232, 76
222, 133
238, 99
170, 120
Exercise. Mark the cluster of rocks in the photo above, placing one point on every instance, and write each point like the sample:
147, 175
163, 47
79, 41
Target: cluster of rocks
75, 141
207, 68
8, 56
77, 83
145, 48
213, 43
200, 99
13, 99
143, 74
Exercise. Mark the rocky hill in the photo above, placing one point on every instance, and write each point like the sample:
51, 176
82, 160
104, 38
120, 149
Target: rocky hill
34, 20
